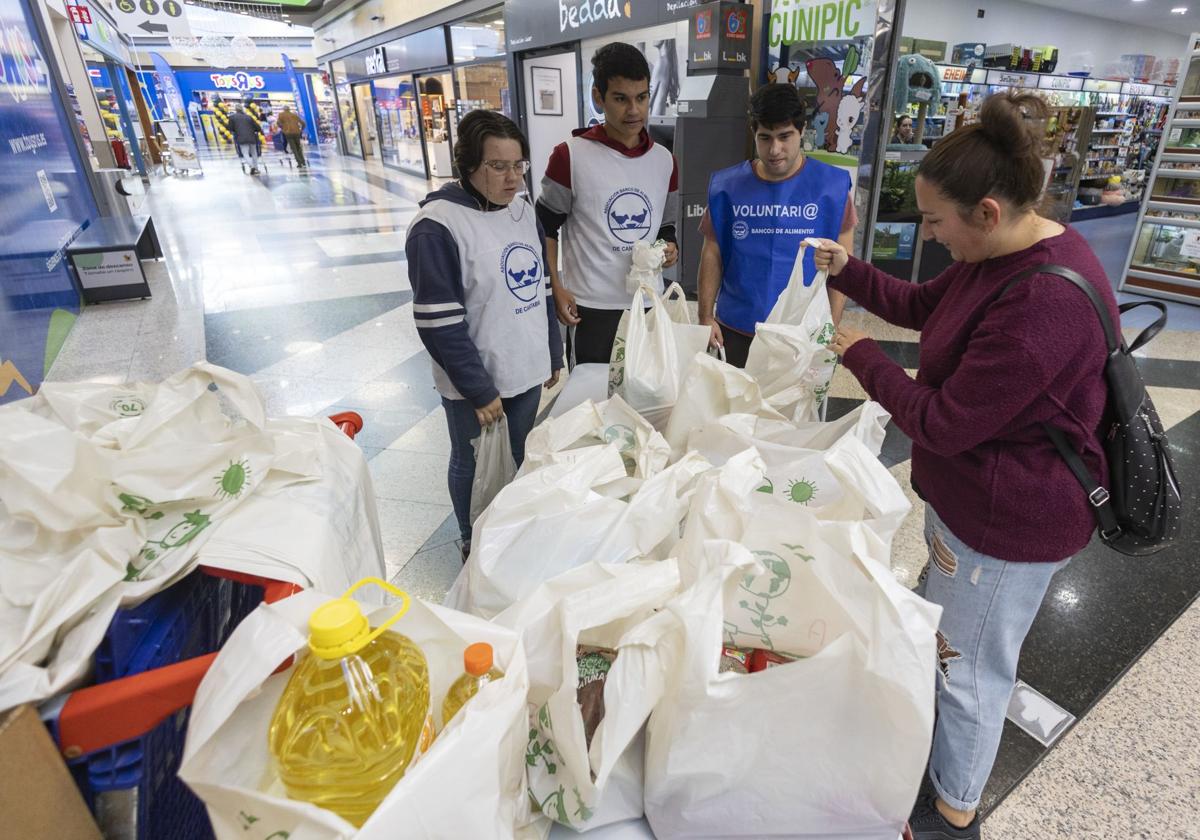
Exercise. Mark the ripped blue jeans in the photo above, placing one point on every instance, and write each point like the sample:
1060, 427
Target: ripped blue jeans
988, 606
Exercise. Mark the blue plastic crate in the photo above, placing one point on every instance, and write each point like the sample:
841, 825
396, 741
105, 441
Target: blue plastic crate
132, 787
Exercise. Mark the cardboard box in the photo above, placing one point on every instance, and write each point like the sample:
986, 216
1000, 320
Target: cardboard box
933, 50
969, 53
38, 800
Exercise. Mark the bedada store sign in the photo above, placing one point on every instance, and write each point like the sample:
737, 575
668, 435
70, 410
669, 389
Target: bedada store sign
237, 81
535, 23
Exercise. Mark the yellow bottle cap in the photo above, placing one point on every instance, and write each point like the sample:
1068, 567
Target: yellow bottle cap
338, 628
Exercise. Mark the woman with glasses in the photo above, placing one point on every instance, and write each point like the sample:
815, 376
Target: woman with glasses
481, 298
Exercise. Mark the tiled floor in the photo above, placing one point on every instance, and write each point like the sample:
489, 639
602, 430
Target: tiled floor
299, 281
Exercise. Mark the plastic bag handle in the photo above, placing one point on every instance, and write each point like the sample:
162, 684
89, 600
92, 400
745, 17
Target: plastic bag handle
395, 590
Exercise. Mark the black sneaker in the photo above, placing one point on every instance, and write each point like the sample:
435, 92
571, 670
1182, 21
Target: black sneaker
927, 823
466, 552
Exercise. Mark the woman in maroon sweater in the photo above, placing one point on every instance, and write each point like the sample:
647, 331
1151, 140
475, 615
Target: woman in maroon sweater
1003, 511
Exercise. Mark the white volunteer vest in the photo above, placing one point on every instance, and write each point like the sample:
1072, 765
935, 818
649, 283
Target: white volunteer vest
616, 201
505, 288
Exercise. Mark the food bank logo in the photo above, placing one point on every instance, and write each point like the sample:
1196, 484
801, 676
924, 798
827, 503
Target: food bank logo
628, 215
573, 14
522, 271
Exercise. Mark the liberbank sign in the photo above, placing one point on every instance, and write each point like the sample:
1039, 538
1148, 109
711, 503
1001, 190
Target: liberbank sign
540, 23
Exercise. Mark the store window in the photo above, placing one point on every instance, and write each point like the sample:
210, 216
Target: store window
479, 37
399, 116
346, 110
437, 106
327, 120
483, 86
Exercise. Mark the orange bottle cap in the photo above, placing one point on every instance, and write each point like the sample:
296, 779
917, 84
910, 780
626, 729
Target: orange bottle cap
477, 659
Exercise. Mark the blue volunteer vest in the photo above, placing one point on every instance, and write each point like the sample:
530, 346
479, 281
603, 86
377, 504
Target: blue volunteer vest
759, 226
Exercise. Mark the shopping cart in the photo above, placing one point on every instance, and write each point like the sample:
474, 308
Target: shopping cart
123, 737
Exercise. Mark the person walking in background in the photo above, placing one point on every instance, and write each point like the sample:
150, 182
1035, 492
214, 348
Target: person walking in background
759, 212
1003, 512
904, 130
606, 187
245, 131
293, 132
481, 301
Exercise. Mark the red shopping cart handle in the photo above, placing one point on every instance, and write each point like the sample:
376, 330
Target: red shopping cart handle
349, 422
100, 716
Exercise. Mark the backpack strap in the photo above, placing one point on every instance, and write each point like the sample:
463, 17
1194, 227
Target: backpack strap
1096, 494
1150, 331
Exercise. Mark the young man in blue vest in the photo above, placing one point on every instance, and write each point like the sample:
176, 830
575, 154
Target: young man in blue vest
758, 213
607, 187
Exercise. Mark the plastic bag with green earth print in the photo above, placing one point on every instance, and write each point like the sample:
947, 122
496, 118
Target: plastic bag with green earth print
851, 721
595, 605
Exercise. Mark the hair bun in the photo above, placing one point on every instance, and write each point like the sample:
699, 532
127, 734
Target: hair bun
1014, 122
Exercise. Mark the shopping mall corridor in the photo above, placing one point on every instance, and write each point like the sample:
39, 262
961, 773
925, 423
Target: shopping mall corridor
298, 279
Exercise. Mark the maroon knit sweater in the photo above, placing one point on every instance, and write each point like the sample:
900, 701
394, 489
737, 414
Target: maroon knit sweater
991, 371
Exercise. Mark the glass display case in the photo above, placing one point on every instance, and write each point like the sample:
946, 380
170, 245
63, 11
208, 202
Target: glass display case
1164, 259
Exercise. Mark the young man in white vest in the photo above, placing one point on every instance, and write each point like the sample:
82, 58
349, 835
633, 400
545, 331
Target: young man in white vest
606, 188
758, 213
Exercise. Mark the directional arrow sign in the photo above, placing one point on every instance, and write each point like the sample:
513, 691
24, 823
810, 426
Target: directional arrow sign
140, 18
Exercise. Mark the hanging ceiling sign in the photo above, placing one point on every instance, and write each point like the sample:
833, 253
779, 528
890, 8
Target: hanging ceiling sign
140, 18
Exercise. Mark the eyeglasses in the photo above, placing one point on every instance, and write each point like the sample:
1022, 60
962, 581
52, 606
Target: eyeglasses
501, 167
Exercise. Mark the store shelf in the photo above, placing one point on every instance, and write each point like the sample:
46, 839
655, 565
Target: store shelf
1178, 173
1172, 207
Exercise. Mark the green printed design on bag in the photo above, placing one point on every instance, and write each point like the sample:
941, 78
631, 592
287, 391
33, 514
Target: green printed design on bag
616, 366
802, 491
824, 333
765, 588
537, 749
180, 534
128, 405
768, 487
626, 441
139, 505
557, 800
232, 481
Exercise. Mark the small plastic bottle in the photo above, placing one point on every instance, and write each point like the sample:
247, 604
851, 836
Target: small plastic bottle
477, 672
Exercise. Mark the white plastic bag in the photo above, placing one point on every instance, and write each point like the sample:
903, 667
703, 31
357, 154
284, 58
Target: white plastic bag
609, 606
793, 454
646, 264
584, 382
554, 519
710, 390
790, 357
471, 782
494, 465
849, 724
322, 533
648, 365
643, 450
109, 492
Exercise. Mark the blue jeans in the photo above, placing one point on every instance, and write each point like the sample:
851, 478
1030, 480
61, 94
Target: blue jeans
987, 605
521, 412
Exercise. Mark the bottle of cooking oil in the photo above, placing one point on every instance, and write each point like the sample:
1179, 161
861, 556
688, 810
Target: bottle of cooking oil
355, 712
477, 672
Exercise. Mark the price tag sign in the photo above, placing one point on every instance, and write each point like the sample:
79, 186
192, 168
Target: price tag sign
1191, 244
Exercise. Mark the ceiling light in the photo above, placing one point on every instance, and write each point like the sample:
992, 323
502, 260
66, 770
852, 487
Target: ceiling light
1179, 10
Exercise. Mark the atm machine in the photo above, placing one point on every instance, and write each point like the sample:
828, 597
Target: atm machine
710, 134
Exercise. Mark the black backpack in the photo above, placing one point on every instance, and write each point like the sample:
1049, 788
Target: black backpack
1139, 512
